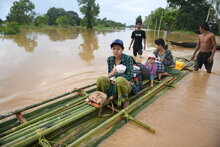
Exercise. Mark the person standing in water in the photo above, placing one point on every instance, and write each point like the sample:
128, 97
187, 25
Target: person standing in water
136, 37
206, 47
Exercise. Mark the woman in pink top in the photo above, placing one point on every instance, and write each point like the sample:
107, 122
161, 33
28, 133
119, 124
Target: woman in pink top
152, 67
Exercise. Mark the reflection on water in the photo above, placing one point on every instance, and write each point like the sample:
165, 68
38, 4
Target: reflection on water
25, 39
89, 45
60, 34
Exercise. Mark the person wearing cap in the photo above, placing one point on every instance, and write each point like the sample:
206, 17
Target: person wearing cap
118, 84
152, 67
136, 37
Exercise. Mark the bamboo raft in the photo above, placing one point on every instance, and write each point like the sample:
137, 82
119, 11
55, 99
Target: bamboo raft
188, 44
67, 120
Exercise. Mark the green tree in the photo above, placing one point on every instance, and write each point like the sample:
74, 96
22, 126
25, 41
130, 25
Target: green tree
139, 18
53, 13
91, 10
169, 19
152, 21
63, 21
41, 20
73, 17
192, 13
21, 12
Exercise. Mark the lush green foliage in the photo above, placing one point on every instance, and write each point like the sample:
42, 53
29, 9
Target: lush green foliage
183, 15
21, 12
63, 21
139, 18
41, 20
53, 13
71, 17
91, 10
108, 23
9, 28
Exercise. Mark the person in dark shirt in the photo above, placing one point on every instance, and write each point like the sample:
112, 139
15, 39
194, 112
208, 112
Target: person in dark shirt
137, 36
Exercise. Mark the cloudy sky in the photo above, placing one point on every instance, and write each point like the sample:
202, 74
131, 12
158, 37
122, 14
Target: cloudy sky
124, 11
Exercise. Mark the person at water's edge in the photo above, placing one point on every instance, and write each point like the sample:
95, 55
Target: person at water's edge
136, 37
206, 47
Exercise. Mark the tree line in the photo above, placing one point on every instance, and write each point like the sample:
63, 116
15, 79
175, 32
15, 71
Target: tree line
185, 15
22, 13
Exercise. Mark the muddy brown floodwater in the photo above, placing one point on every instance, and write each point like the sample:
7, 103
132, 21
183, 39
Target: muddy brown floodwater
36, 65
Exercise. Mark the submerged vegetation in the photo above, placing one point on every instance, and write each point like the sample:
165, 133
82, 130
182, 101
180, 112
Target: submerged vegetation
9, 28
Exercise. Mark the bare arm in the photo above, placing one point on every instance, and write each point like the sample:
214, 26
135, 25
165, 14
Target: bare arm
132, 41
196, 50
144, 44
213, 48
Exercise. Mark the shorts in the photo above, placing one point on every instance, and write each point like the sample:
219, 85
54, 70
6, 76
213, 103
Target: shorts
137, 50
151, 77
202, 58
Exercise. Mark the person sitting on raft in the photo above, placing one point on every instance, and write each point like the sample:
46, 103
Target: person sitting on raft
165, 62
118, 84
152, 68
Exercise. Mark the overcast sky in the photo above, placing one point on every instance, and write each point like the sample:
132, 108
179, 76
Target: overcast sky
124, 11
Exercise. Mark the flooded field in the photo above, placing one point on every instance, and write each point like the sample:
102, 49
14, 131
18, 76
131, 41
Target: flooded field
36, 65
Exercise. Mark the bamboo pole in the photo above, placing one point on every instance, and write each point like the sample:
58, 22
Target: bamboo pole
43, 116
45, 132
138, 122
43, 102
24, 133
119, 115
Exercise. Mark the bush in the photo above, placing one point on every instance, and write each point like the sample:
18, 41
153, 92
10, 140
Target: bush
9, 28
63, 21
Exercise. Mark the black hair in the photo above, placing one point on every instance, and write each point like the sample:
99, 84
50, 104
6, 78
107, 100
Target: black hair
138, 22
205, 26
161, 42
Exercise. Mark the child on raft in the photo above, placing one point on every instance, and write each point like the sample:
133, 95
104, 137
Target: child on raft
152, 67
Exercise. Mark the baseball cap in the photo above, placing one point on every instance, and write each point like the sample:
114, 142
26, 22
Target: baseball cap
118, 42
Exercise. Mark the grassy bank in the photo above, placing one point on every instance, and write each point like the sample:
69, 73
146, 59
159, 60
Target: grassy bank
184, 32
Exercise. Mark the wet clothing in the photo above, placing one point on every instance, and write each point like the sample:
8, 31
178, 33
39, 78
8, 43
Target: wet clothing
138, 36
202, 58
121, 89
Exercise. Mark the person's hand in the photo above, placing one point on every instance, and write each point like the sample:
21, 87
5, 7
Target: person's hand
129, 48
114, 70
193, 56
210, 59
113, 82
161, 59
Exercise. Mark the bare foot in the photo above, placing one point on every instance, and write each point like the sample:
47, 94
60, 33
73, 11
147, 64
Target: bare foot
126, 104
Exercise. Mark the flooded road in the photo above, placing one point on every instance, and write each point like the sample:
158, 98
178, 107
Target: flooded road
37, 65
